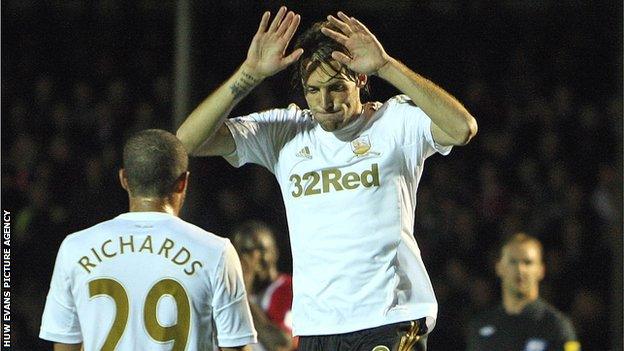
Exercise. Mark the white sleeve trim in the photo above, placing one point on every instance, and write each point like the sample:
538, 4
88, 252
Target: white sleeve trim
233, 158
65, 338
443, 150
237, 341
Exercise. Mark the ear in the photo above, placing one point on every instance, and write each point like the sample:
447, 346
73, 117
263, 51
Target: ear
542, 273
181, 183
361, 80
123, 179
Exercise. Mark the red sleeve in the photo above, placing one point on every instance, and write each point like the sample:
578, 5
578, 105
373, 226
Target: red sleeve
280, 304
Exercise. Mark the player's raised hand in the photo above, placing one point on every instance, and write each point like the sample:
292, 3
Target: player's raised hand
267, 52
368, 56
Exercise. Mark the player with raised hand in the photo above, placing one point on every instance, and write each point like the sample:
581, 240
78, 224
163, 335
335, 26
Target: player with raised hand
265, 57
452, 125
147, 280
348, 172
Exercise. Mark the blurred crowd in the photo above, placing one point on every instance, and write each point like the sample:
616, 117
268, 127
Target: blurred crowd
544, 83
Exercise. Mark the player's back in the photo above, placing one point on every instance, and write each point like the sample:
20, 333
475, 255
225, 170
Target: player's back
147, 281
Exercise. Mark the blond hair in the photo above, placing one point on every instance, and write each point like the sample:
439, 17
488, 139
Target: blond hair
522, 238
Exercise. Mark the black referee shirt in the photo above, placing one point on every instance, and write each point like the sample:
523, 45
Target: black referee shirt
539, 327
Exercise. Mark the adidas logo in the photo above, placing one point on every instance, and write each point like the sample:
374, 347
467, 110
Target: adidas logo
305, 153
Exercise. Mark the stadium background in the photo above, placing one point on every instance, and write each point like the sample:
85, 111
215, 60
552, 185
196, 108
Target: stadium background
543, 78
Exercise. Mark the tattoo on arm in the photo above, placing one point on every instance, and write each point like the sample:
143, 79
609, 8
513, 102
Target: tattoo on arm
243, 85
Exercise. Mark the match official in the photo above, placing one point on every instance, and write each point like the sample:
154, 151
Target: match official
524, 321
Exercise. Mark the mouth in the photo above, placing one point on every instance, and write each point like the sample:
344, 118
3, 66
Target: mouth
333, 115
328, 115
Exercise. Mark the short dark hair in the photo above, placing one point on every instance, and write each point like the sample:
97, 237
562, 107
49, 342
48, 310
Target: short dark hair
317, 49
243, 234
153, 160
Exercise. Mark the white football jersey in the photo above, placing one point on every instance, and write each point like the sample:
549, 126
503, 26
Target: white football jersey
147, 281
350, 197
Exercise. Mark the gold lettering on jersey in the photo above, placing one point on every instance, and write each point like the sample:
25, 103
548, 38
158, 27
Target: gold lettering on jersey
166, 246
371, 178
332, 179
84, 262
147, 244
103, 249
312, 178
195, 263
184, 251
351, 180
108, 250
96, 255
122, 244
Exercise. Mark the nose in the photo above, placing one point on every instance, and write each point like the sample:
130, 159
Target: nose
326, 102
522, 268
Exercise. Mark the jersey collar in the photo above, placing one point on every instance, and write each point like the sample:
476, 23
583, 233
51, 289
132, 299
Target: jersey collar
149, 216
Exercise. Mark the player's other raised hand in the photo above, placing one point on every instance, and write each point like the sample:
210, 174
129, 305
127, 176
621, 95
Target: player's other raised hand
367, 54
267, 52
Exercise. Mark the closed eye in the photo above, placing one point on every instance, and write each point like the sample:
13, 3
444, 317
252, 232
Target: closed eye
337, 87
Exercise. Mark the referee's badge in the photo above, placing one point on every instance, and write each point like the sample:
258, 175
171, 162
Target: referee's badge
486, 331
361, 145
536, 344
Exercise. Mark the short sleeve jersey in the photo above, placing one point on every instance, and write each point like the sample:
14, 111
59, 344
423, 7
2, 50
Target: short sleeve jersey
147, 281
539, 327
350, 197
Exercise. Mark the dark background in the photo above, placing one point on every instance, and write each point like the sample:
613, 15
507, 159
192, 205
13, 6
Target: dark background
543, 79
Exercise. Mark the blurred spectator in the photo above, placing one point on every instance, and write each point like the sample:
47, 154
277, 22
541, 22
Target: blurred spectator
603, 198
271, 291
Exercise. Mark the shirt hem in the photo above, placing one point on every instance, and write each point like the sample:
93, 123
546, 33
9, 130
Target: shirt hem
349, 328
61, 338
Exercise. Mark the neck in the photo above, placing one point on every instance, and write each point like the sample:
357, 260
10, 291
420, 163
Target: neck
148, 204
350, 120
260, 285
514, 303
360, 109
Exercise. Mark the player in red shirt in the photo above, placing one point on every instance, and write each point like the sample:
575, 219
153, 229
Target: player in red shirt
270, 291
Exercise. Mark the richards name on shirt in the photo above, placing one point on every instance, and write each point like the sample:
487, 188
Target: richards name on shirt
123, 245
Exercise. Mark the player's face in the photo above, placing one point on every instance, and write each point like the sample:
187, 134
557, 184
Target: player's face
521, 269
268, 255
333, 99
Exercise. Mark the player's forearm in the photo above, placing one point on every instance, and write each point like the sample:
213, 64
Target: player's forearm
269, 334
206, 119
443, 109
